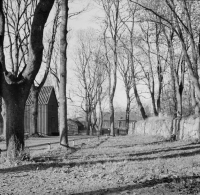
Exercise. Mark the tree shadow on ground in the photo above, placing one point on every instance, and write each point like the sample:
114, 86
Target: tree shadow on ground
151, 152
69, 151
169, 149
139, 144
59, 160
56, 162
148, 183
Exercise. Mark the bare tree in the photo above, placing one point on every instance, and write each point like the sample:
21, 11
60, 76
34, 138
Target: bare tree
185, 28
111, 39
101, 90
177, 71
15, 88
182, 20
126, 74
18, 18
129, 71
151, 35
90, 74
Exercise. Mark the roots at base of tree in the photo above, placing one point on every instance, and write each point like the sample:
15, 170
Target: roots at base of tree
65, 145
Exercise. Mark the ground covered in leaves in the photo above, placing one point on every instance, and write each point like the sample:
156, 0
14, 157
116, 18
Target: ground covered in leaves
120, 165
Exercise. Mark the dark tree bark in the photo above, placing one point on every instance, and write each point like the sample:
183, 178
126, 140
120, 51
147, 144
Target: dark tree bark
128, 104
159, 66
139, 103
15, 105
15, 89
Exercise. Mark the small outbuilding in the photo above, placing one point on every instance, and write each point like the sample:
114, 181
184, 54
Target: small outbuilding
74, 127
47, 112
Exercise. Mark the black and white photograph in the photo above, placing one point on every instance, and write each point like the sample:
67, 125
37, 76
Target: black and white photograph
99, 97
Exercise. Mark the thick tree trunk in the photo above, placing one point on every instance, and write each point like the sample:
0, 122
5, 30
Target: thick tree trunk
15, 105
63, 74
34, 98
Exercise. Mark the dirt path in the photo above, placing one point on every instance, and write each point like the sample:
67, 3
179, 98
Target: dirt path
121, 165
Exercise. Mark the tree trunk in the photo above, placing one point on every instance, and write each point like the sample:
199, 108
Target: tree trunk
139, 103
94, 123
195, 106
87, 112
159, 96
194, 101
87, 123
159, 69
172, 72
34, 98
153, 103
100, 120
179, 109
63, 74
90, 123
3, 113
179, 99
15, 105
91, 130
112, 118
100, 112
128, 103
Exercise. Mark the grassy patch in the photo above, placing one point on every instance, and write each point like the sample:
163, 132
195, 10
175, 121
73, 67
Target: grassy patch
112, 165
